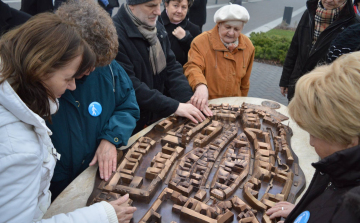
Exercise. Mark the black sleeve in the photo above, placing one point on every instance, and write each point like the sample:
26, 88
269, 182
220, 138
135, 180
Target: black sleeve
176, 83
291, 56
148, 99
185, 42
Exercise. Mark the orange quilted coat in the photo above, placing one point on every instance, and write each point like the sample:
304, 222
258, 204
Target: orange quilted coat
225, 73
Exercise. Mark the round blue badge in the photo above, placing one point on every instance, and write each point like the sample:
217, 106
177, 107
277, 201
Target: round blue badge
95, 109
303, 217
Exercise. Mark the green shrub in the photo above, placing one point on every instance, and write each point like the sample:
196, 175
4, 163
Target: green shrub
271, 46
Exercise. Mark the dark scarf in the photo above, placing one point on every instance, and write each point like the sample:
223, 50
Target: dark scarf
156, 54
324, 17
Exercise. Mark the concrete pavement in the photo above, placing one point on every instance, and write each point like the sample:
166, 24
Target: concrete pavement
264, 82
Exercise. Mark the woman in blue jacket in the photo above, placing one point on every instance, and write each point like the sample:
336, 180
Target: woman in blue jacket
100, 115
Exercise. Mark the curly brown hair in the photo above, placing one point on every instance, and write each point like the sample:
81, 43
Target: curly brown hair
31, 53
95, 26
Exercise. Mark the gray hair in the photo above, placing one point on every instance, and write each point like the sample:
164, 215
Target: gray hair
95, 26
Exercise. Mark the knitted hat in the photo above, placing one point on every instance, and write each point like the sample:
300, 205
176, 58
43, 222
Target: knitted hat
136, 2
231, 12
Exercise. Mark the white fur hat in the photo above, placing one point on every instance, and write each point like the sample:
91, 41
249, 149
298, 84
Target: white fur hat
232, 12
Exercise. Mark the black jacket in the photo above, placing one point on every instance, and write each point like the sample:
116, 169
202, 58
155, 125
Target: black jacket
158, 95
197, 13
299, 59
180, 47
346, 42
336, 177
34, 7
10, 18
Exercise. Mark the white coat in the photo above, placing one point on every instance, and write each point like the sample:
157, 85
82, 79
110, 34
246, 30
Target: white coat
27, 165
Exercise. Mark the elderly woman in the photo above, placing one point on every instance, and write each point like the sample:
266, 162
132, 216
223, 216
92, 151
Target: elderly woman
327, 106
38, 62
81, 137
310, 44
220, 60
181, 31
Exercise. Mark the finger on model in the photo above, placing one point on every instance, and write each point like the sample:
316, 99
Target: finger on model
122, 199
114, 164
101, 169
130, 210
106, 170
201, 116
192, 118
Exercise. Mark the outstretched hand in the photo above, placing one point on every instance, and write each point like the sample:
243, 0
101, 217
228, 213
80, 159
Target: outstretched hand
191, 112
106, 155
281, 209
124, 212
200, 99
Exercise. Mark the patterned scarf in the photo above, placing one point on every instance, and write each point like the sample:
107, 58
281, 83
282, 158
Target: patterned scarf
156, 54
323, 19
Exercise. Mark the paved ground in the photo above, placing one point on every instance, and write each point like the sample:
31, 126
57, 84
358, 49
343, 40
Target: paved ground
264, 82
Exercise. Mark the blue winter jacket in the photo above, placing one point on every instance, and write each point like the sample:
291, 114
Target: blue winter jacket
77, 134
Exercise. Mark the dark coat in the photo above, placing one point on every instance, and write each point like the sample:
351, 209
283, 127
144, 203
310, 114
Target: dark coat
197, 13
77, 134
158, 95
180, 47
335, 177
301, 58
10, 18
346, 42
34, 7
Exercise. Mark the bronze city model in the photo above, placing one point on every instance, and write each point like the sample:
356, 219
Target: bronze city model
230, 168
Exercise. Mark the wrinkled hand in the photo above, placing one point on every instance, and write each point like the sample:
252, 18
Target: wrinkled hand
179, 32
200, 99
106, 155
124, 212
277, 211
284, 91
190, 111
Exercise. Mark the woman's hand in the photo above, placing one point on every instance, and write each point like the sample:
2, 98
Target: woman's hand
179, 32
106, 155
191, 112
281, 209
200, 97
124, 212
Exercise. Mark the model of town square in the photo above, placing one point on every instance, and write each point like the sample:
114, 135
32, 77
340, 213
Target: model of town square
230, 168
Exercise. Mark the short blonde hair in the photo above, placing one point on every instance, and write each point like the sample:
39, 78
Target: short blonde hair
327, 100
95, 26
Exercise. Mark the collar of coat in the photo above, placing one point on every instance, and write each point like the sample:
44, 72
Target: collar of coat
342, 167
216, 43
131, 30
